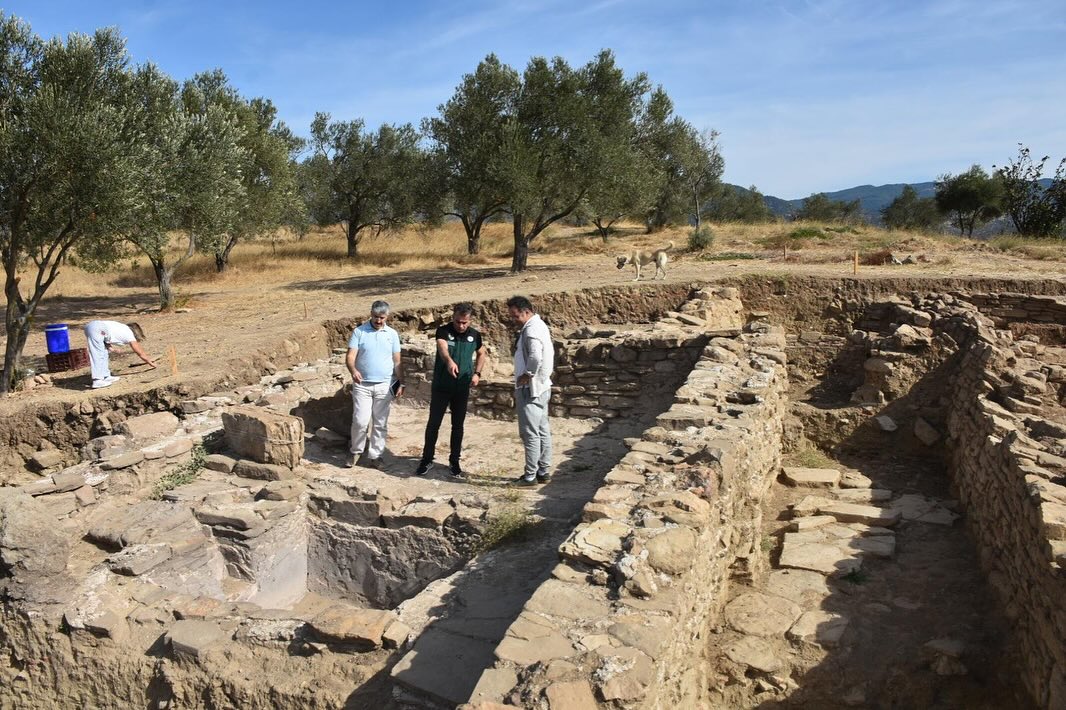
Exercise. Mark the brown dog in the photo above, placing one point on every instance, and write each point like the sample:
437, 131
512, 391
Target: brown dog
644, 257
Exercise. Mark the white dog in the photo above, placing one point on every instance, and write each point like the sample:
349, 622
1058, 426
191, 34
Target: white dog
644, 257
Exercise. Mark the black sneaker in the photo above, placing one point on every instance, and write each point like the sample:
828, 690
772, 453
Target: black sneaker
376, 464
457, 472
523, 481
543, 477
349, 460
423, 468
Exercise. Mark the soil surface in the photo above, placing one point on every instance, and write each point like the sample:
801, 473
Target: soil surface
222, 325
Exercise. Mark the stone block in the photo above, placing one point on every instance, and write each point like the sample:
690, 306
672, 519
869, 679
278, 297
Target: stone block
149, 426
122, 461
672, 551
282, 490
571, 695
193, 637
819, 627
812, 477
858, 513
177, 448
264, 436
262, 471
757, 614
219, 462
46, 459
135, 560
362, 628
419, 514
925, 432
68, 480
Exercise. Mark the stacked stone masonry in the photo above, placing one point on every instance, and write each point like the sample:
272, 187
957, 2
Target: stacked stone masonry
1008, 466
625, 615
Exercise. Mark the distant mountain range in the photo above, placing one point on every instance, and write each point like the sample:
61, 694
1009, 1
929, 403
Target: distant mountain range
872, 198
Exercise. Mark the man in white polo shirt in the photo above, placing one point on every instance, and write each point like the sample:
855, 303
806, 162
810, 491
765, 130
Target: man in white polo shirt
377, 376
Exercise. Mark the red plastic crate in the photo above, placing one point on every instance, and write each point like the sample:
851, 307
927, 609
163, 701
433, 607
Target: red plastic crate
75, 359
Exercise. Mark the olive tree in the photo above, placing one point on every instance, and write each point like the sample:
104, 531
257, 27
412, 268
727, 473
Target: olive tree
190, 185
908, 211
970, 199
469, 136
1035, 209
68, 164
364, 179
270, 198
561, 138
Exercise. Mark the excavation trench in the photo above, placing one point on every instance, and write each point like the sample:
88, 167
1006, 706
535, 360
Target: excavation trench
684, 554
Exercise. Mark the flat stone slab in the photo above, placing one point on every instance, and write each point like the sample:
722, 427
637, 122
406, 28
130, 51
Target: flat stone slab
858, 513
820, 627
882, 546
193, 637
799, 585
818, 557
754, 652
570, 601
445, 666
851, 479
137, 559
533, 639
757, 614
811, 477
810, 522
359, 627
863, 495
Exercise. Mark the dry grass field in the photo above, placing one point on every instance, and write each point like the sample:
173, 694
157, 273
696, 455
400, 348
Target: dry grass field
322, 254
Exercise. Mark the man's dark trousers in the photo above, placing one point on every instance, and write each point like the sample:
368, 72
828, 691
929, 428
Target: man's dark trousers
438, 403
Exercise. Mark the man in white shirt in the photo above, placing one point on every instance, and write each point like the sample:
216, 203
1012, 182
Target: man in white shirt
534, 359
374, 362
103, 336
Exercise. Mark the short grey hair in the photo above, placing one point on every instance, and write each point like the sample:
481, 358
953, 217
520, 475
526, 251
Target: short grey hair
379, 308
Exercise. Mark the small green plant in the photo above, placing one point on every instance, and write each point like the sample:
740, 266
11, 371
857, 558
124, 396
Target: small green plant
801, 233
506, 525
183, 474
728, 256
766, 543
700, 239
856, 576
810, 457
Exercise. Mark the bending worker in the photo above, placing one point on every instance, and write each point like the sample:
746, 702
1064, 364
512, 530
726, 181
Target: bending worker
104, 336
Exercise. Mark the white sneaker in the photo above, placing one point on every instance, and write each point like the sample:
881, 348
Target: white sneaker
99, 384
113, 379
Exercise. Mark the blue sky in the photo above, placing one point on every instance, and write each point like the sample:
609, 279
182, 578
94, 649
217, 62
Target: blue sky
808, 96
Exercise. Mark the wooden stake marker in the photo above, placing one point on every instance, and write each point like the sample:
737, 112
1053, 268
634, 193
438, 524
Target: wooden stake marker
855, 269
172, 357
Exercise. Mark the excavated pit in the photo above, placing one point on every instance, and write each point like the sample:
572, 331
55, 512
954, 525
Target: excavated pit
889, 581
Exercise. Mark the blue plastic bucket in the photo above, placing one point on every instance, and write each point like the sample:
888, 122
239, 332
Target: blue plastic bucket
57, 337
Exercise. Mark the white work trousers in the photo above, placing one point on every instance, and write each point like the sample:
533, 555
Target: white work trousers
370, 418
99, 359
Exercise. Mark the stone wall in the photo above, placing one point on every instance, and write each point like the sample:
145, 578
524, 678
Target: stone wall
624, 618
1008, 468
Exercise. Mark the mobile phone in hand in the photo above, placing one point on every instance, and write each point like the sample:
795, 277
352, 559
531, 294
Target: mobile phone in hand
395, 388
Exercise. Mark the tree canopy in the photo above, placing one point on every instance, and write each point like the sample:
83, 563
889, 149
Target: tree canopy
908, 211
970, 199
819, 208
1035, 210
68, 163
364, 179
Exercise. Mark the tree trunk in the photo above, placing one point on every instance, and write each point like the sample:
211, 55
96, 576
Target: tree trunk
473, 234
222, 257
17, 327
353, 240
696, 201
164, 277
603, 229
521, 246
